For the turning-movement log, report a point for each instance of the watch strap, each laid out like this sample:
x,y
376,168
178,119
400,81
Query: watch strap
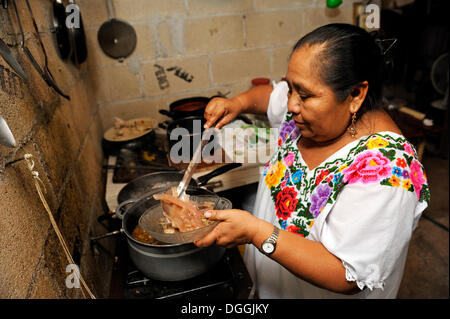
x,y
273,238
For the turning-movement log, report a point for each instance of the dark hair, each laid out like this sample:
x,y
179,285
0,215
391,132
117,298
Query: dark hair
x,y
350,56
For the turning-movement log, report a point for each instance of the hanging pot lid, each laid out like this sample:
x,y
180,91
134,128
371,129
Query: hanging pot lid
x,y
116,37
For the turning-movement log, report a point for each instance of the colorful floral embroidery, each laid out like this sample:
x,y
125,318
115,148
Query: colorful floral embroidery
x,y
319,199
286,202
287,128
301,195
377,142
367,167
275,174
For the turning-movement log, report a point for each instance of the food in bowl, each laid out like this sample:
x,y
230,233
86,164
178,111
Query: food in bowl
x,y
182,215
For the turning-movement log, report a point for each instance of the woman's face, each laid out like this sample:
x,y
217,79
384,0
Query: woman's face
x,y
317,113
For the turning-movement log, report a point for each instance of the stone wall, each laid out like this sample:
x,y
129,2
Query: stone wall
x,y
64,138
215,45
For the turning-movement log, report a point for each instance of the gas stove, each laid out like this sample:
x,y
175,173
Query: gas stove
x,y
228,279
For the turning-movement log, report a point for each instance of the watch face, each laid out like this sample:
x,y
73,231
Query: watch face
x,y
268,248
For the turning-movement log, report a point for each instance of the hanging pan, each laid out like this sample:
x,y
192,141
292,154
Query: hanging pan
x,y
116,37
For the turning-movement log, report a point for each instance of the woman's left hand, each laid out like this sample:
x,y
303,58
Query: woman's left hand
x,y
236,227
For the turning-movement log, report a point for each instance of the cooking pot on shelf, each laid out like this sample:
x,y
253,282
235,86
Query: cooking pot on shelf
x,y
168,262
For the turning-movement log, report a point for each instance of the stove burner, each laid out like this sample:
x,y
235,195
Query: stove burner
x,y
229,279
135,163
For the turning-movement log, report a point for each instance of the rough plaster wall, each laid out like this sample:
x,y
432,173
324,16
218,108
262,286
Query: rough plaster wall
x,y
219,45
65,139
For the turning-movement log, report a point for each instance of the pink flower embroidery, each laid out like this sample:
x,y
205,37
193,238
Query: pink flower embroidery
x,y
417,177
289,159
368,167
408,149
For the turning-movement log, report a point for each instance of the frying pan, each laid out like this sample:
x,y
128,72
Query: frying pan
x,y
71,42
146,183
78,40
60,30
116,37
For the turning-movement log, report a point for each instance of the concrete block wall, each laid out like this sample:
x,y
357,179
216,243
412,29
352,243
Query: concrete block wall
x,y
212,45
64,138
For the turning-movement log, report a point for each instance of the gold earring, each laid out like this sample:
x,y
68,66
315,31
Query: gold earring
x,y
352,128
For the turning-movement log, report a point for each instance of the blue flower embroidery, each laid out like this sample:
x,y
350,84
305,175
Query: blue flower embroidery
x,y
297,176
397,171
337,177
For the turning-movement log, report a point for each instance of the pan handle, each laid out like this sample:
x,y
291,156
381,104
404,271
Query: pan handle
x,y
111,9
164,125
166,113
202,180
114,233
118,212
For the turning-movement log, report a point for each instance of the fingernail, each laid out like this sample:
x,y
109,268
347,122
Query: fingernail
x,y
207,214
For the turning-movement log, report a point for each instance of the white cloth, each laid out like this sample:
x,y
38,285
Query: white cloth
x,y
277,103
368,228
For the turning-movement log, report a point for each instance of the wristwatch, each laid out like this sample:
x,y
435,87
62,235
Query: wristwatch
x,y
268,246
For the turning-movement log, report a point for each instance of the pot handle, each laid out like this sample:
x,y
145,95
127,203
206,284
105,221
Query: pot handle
x,y
118,212
114,233
164,125
166,113
202,180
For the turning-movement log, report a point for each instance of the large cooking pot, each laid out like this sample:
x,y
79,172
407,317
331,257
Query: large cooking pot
x,y
146,183
169,262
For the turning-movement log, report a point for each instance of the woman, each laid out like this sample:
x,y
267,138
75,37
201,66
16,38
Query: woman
x,y
344,185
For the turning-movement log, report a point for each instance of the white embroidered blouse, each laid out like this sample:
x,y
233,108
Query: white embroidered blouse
x,y
362,203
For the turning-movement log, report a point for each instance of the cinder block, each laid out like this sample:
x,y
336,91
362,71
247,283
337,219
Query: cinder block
x,y
129,110
144,46
273,28
316,17
168,76
281,4
240,66
214,34
93,12
115,83
143,10
204,7
166,39
280,61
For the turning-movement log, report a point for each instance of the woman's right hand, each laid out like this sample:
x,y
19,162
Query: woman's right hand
x,y
222,111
